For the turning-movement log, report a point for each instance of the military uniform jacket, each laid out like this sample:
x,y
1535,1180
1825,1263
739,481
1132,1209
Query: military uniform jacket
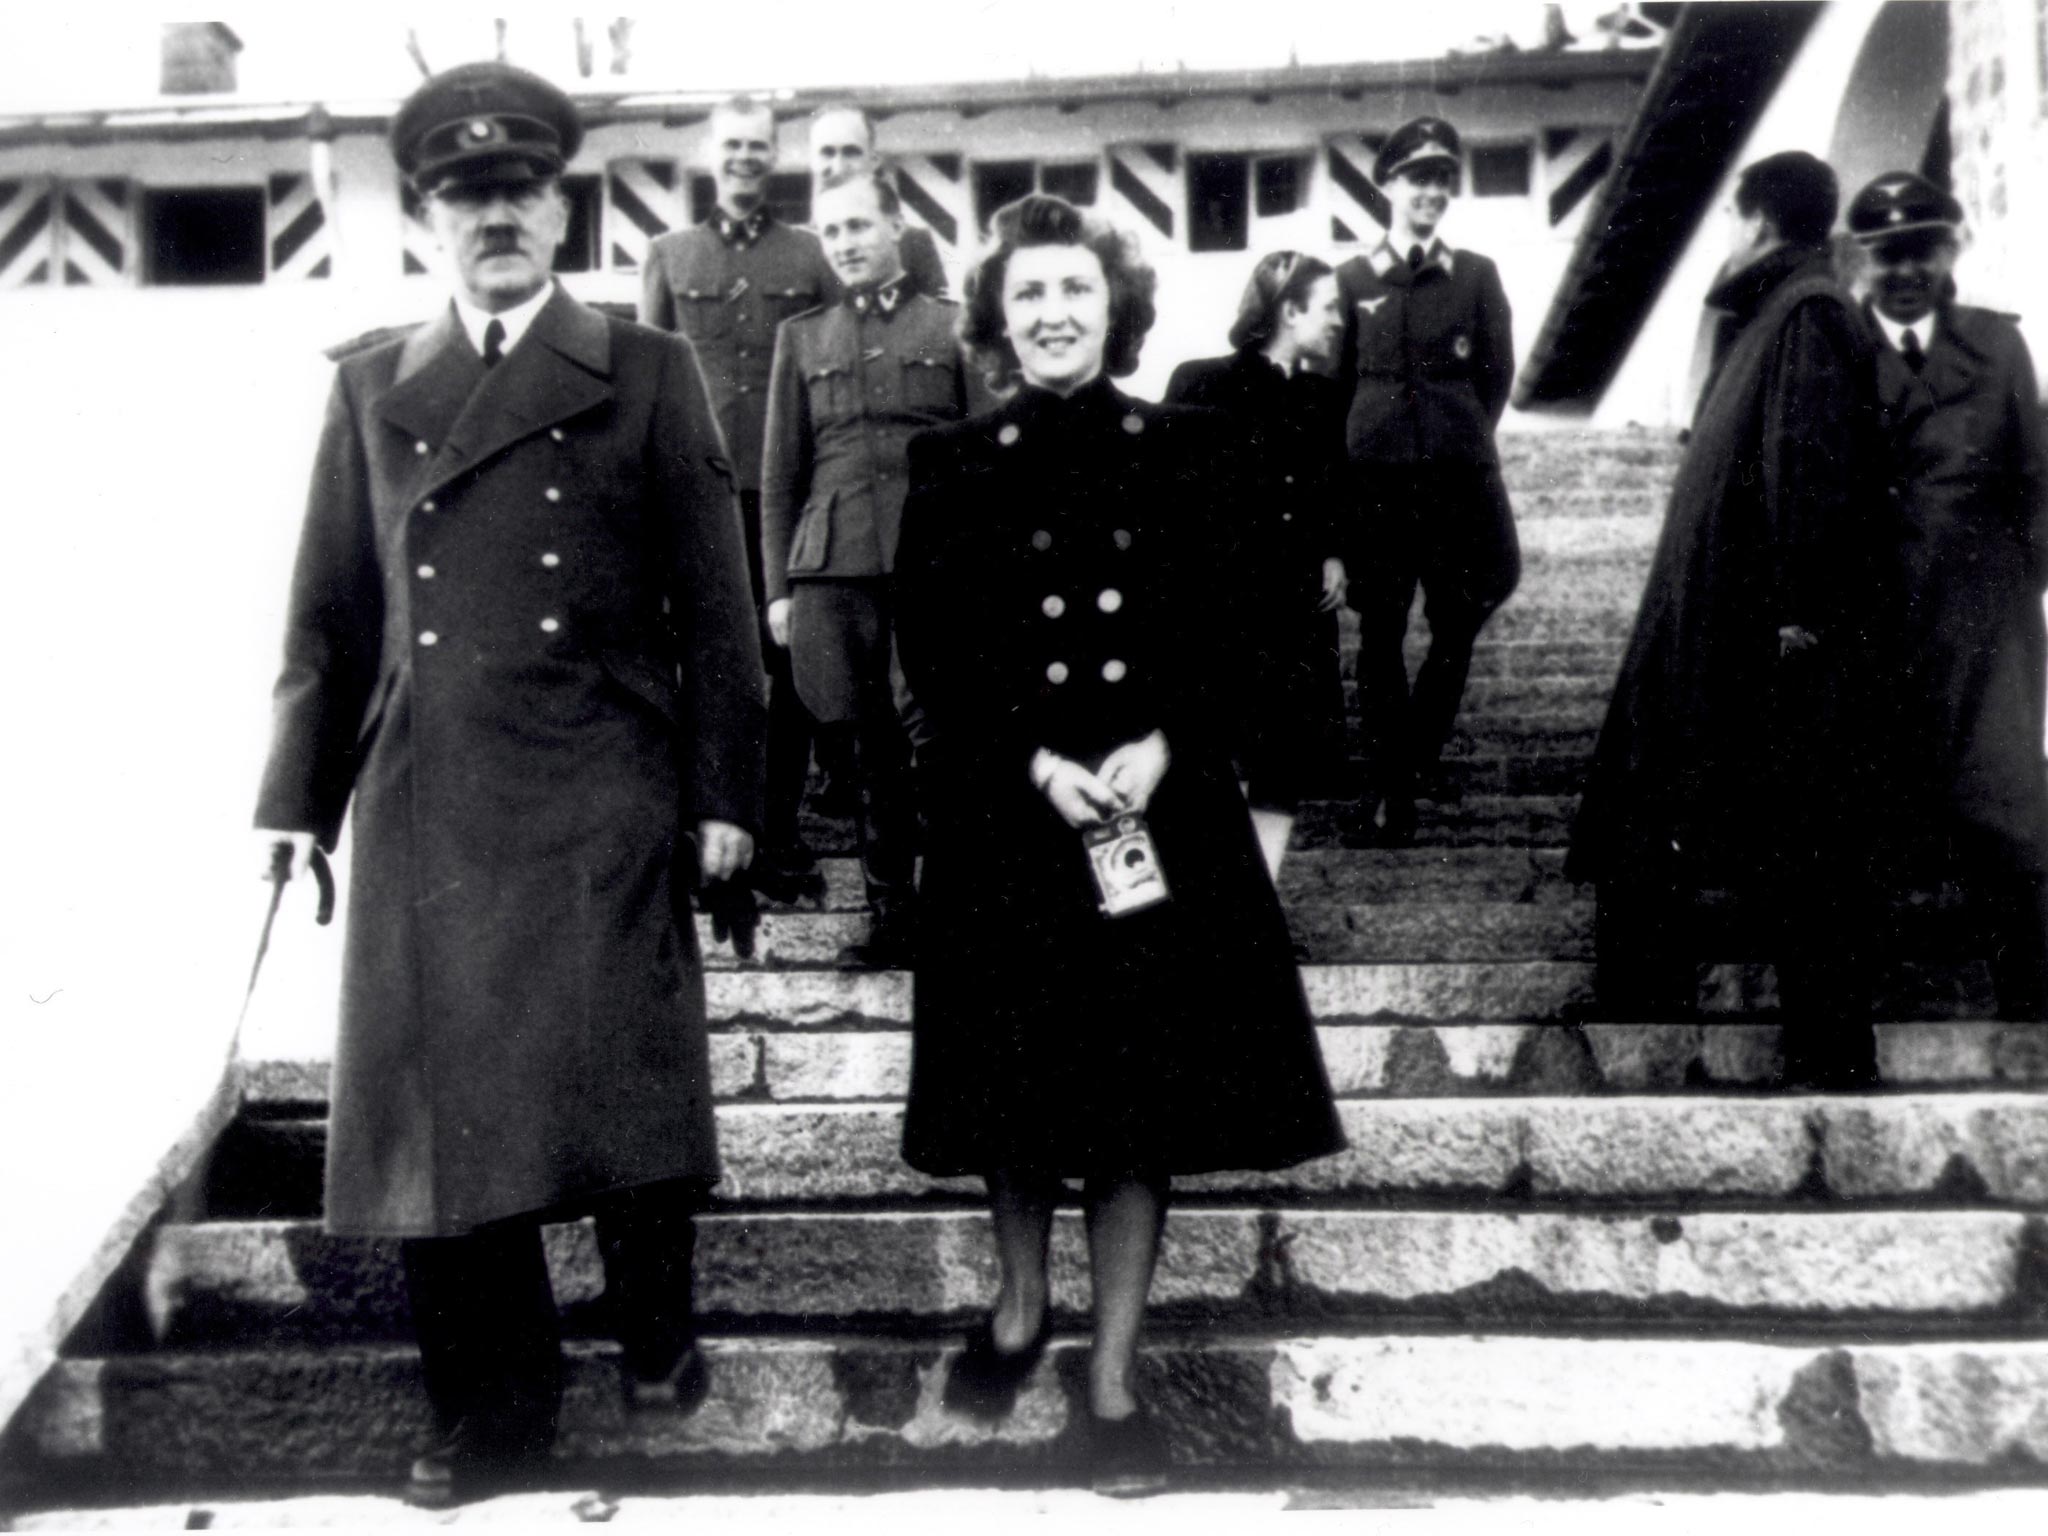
x,y
1061,584
729,299
1973,472
1430,354
521,654
848,391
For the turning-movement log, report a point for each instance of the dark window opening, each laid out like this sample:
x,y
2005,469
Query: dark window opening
x,y
194,236
1077,183
789,197
1000,182
1219,212
579,250
1500,170
1278,186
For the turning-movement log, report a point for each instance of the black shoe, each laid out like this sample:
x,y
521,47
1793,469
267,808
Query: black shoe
x,y
682,1390
1127,1457
789,876
469,1465
984,1380
891,944
1436,782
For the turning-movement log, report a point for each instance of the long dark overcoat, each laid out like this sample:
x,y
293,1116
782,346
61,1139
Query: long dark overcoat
x,y
499,573
1285,524
1721,763
1060,586
1974,469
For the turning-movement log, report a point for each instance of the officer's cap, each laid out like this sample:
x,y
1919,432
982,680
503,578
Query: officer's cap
x,y
1901,203
1424,138
482,124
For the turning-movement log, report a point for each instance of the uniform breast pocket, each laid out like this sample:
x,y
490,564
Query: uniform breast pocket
x,y
702,314
929,385
831,392
1378,323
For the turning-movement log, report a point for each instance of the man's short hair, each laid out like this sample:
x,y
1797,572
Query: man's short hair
x,y
1796,191
745,106
867,123
886,197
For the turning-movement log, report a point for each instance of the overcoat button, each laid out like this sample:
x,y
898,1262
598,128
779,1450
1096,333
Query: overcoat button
x,y
1057,672
426,573
552,494
1054,606
1114,671
1008,434
1122,537
1288,478
428,505
1041,540
667,605
421,449
428,637
551,559
557,434
1134,423
549,626
1109,600
1286,517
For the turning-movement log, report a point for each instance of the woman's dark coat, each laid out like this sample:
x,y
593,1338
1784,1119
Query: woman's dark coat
x,y
522,1015
1974,472
1041,544
1286,522
1722,763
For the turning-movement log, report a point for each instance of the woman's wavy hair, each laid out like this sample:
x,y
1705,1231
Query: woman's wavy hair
x,y
1285,277
1042,220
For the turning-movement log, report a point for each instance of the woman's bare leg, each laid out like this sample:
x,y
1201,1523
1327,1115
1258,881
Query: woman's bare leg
x,y
1020,1203
1125,1218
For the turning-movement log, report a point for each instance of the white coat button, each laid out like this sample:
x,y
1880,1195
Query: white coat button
x,y
552,494
426,573
1057,672
421,449
1041,540
1122,537
1008,433
1288,478
429,505
1053,606
1286,517
1114,671
551,559
1134,423
668,605
428,637
549,626
1109,600
557,433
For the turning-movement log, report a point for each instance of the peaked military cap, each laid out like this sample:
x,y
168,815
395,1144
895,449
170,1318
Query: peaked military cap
x,y
485,122
1422,138
1901,203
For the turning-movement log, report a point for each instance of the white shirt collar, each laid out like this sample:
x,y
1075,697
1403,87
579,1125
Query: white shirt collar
x,y
515,319
1895,333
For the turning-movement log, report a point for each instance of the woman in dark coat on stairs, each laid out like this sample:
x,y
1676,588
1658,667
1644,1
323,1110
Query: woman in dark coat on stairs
x,y
1062,625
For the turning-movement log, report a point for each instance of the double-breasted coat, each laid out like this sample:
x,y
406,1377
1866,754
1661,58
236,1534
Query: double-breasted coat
x,y
1429,357
1060,586
521,653
1973,469
1723,761
1287,522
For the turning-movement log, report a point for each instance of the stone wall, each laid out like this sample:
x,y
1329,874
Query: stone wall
x,y
1998,82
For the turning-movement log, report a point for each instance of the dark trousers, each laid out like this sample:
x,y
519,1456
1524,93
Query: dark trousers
x,y
789,726
2008,903
1647,946
484,1313
843,661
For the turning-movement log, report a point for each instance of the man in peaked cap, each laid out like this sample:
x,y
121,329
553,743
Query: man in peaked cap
x,y
1963,412
726,285
521,655
1428,357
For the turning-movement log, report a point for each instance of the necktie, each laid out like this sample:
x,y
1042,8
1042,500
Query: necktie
x,y
1909,348
1414,258
494,343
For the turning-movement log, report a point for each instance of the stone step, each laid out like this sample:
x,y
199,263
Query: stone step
x,y
1696,1149
1481,820
283,1283
832,1406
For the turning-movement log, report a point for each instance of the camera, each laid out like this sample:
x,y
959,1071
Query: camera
x,y
1125,864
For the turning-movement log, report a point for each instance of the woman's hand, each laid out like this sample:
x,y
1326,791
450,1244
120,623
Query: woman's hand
x,y
1081,798
1334,586
1134,770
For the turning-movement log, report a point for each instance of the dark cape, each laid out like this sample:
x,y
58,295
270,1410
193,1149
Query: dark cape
x,y
1059,586
1722,764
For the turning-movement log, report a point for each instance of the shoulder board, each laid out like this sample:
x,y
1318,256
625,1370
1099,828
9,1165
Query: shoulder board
x,y
369,341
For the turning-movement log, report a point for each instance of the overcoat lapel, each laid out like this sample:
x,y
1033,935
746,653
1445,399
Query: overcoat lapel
x,y
1952,364
561,368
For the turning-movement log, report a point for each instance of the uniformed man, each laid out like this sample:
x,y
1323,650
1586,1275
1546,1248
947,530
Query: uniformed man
x,y
1428,356
843,145
852,383
727,284
522,655
1963,411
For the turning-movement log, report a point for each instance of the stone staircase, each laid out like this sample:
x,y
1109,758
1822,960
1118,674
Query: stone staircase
x,y
1554,1251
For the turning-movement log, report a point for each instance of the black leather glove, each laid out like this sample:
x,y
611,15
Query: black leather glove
x,y
734,913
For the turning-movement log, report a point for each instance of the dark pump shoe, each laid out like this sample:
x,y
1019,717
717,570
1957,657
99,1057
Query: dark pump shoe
x,y
984,1380
469,1465
682,1390
1127,1457
787,876
1436,782
891,944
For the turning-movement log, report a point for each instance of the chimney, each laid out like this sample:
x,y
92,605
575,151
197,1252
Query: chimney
x,y
199,58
